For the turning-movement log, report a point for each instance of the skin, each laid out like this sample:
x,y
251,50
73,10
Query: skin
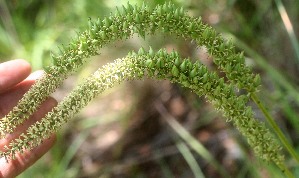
x,y
15,80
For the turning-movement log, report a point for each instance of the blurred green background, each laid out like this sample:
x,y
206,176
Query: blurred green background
x,y
122,133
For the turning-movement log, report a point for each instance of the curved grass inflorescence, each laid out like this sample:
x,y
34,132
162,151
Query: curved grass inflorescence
x,y
123,25
156,66
161,65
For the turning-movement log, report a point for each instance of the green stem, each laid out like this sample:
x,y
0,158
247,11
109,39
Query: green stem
x,y
286,171
275,127
277,76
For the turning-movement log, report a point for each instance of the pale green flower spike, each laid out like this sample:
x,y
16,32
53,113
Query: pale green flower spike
x,y
157,66
161,65
122,25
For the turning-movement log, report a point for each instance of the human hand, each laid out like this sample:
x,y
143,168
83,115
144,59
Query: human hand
x,y
14,82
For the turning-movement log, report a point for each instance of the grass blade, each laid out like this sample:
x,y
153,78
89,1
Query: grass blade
x,y
189,159
190,140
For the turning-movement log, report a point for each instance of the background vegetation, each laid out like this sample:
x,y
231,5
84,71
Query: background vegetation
x,y
123,133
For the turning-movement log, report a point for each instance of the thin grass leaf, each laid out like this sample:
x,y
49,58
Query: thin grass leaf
x,y
289,27
190,159
190,140
62,167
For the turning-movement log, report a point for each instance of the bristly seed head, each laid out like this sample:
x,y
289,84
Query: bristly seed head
x,y
159,65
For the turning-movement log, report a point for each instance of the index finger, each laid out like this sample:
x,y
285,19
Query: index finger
x,y
13,72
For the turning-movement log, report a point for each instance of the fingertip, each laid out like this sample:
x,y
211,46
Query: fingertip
x,y
13,72
20,64
35,75
23,61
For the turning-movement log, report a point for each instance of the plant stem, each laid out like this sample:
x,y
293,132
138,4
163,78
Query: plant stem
x,y
286,171
277,76
275,127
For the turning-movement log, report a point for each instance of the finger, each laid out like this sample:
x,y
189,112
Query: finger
x,y
35,75
24,160
13,72
10,98
28,157
37,116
